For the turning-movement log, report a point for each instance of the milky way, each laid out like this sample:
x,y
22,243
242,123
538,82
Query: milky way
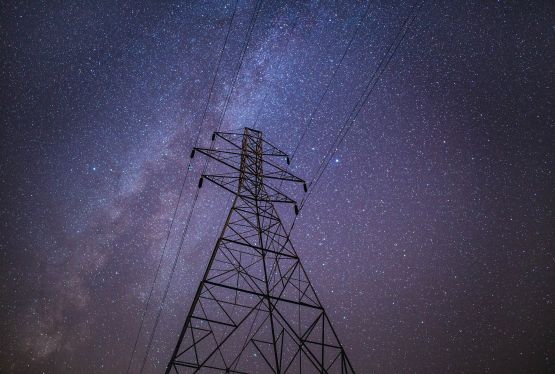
x,y
429,238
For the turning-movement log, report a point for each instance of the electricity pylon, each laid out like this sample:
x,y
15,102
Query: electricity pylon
x,y
255,310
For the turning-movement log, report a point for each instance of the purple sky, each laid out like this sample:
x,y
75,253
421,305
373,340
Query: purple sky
x,y
429,238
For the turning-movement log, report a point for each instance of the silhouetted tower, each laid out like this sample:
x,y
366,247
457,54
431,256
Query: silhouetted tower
x,y
255,310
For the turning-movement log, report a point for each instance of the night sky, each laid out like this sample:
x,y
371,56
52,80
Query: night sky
x,y
429,238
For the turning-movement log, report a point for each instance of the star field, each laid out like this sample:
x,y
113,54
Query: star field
x,y
429,237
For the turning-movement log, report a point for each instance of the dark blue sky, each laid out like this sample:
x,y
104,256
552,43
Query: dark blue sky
x,y
429,238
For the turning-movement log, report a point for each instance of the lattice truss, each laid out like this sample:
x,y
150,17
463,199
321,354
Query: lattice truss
x,y
255,310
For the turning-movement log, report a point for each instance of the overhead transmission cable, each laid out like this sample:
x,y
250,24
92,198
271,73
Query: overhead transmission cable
x,y
162,255
328,84
158,268
262,106
355,111
332,77
195,198
241,57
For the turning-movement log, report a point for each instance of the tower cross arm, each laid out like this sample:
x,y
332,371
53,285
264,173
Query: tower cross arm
x,y
232,159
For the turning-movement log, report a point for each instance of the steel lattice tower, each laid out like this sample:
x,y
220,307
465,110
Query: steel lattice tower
x,y
255,310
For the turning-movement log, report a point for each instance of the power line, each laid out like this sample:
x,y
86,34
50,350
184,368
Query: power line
x,y
355,111
195,199
157,272
157,320
328,84
241,57
324,93
262,106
